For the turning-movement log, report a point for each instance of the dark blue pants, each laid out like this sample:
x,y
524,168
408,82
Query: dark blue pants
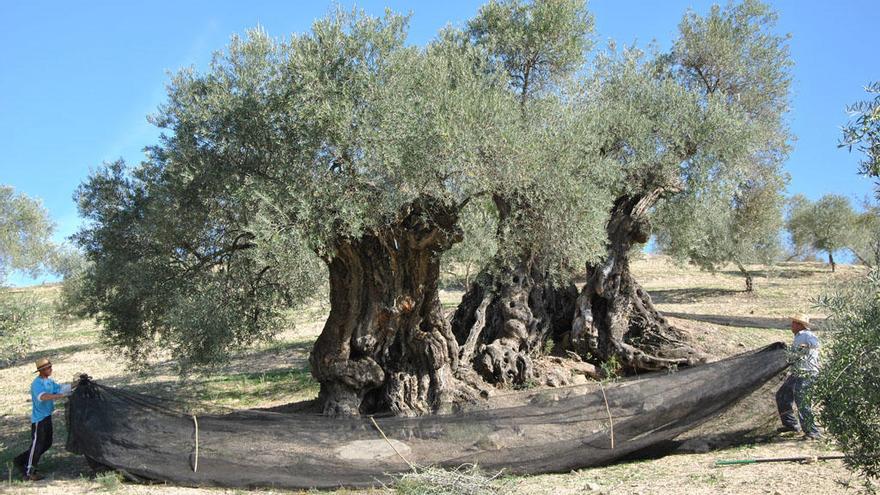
x,y
793,392
41,440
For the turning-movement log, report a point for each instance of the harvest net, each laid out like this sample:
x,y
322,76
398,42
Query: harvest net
x,y
551,430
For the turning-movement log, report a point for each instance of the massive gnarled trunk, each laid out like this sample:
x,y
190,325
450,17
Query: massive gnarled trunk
x,y
509,312
385,345
615,317
505,319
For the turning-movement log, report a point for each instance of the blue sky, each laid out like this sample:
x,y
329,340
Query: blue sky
x,y
77,79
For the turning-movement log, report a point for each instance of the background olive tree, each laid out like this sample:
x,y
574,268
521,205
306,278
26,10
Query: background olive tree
x,y
26,246
25,234
865,239
826,225
712,234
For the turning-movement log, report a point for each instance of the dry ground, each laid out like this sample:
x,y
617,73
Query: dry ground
x,y
722,319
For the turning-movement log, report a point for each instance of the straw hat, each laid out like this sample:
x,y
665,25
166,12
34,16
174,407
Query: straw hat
x,y
42,363
802,319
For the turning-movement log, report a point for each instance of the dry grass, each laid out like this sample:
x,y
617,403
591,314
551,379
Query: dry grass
x,y
723,319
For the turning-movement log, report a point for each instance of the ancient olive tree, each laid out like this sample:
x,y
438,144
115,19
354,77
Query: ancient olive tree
x,y
701,124
524,295
346,155
825,225
341,147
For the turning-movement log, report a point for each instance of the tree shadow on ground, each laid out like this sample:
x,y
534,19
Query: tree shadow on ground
x,y
56,464
225,393
701,444
55,354
246,380
684,296
292,354
741,321
801,272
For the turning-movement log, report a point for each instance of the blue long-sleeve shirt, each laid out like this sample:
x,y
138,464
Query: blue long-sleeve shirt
x,y
43,408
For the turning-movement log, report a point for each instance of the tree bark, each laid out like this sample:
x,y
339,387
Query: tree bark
x,y
386,345
505,320
831,261
510,310
615,317
748,276
861,260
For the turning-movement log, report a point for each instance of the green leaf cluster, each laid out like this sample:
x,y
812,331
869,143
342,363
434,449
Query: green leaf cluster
x,y
863,131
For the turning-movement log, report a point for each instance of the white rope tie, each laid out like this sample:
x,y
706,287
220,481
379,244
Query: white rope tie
x,y
411,465
608,410
196,458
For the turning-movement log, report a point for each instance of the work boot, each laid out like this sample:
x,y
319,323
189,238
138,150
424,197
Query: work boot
x,y
34,477
787,428
813,435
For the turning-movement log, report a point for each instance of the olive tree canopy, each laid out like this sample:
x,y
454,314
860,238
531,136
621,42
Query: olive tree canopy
x,y
25,234
700,125
825,225
345,155
341,146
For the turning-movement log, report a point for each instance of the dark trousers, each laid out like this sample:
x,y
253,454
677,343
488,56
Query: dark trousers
x,y
41,440
793,392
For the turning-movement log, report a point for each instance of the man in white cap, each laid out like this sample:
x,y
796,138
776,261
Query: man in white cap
x,y
805,367
44,392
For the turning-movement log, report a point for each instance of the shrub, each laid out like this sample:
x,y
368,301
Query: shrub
x,y
18,313
847,388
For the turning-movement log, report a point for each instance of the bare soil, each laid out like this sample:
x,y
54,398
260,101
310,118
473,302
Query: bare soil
x,y
723,320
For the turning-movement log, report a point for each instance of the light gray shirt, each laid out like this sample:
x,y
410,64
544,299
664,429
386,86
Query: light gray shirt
x,y
805,352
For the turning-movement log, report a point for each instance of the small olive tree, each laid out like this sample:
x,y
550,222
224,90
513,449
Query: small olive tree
x,y
25,234
713,233
25,245
847,386
826,225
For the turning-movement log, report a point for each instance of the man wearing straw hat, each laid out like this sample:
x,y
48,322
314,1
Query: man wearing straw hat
x,y
44,392
805,367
